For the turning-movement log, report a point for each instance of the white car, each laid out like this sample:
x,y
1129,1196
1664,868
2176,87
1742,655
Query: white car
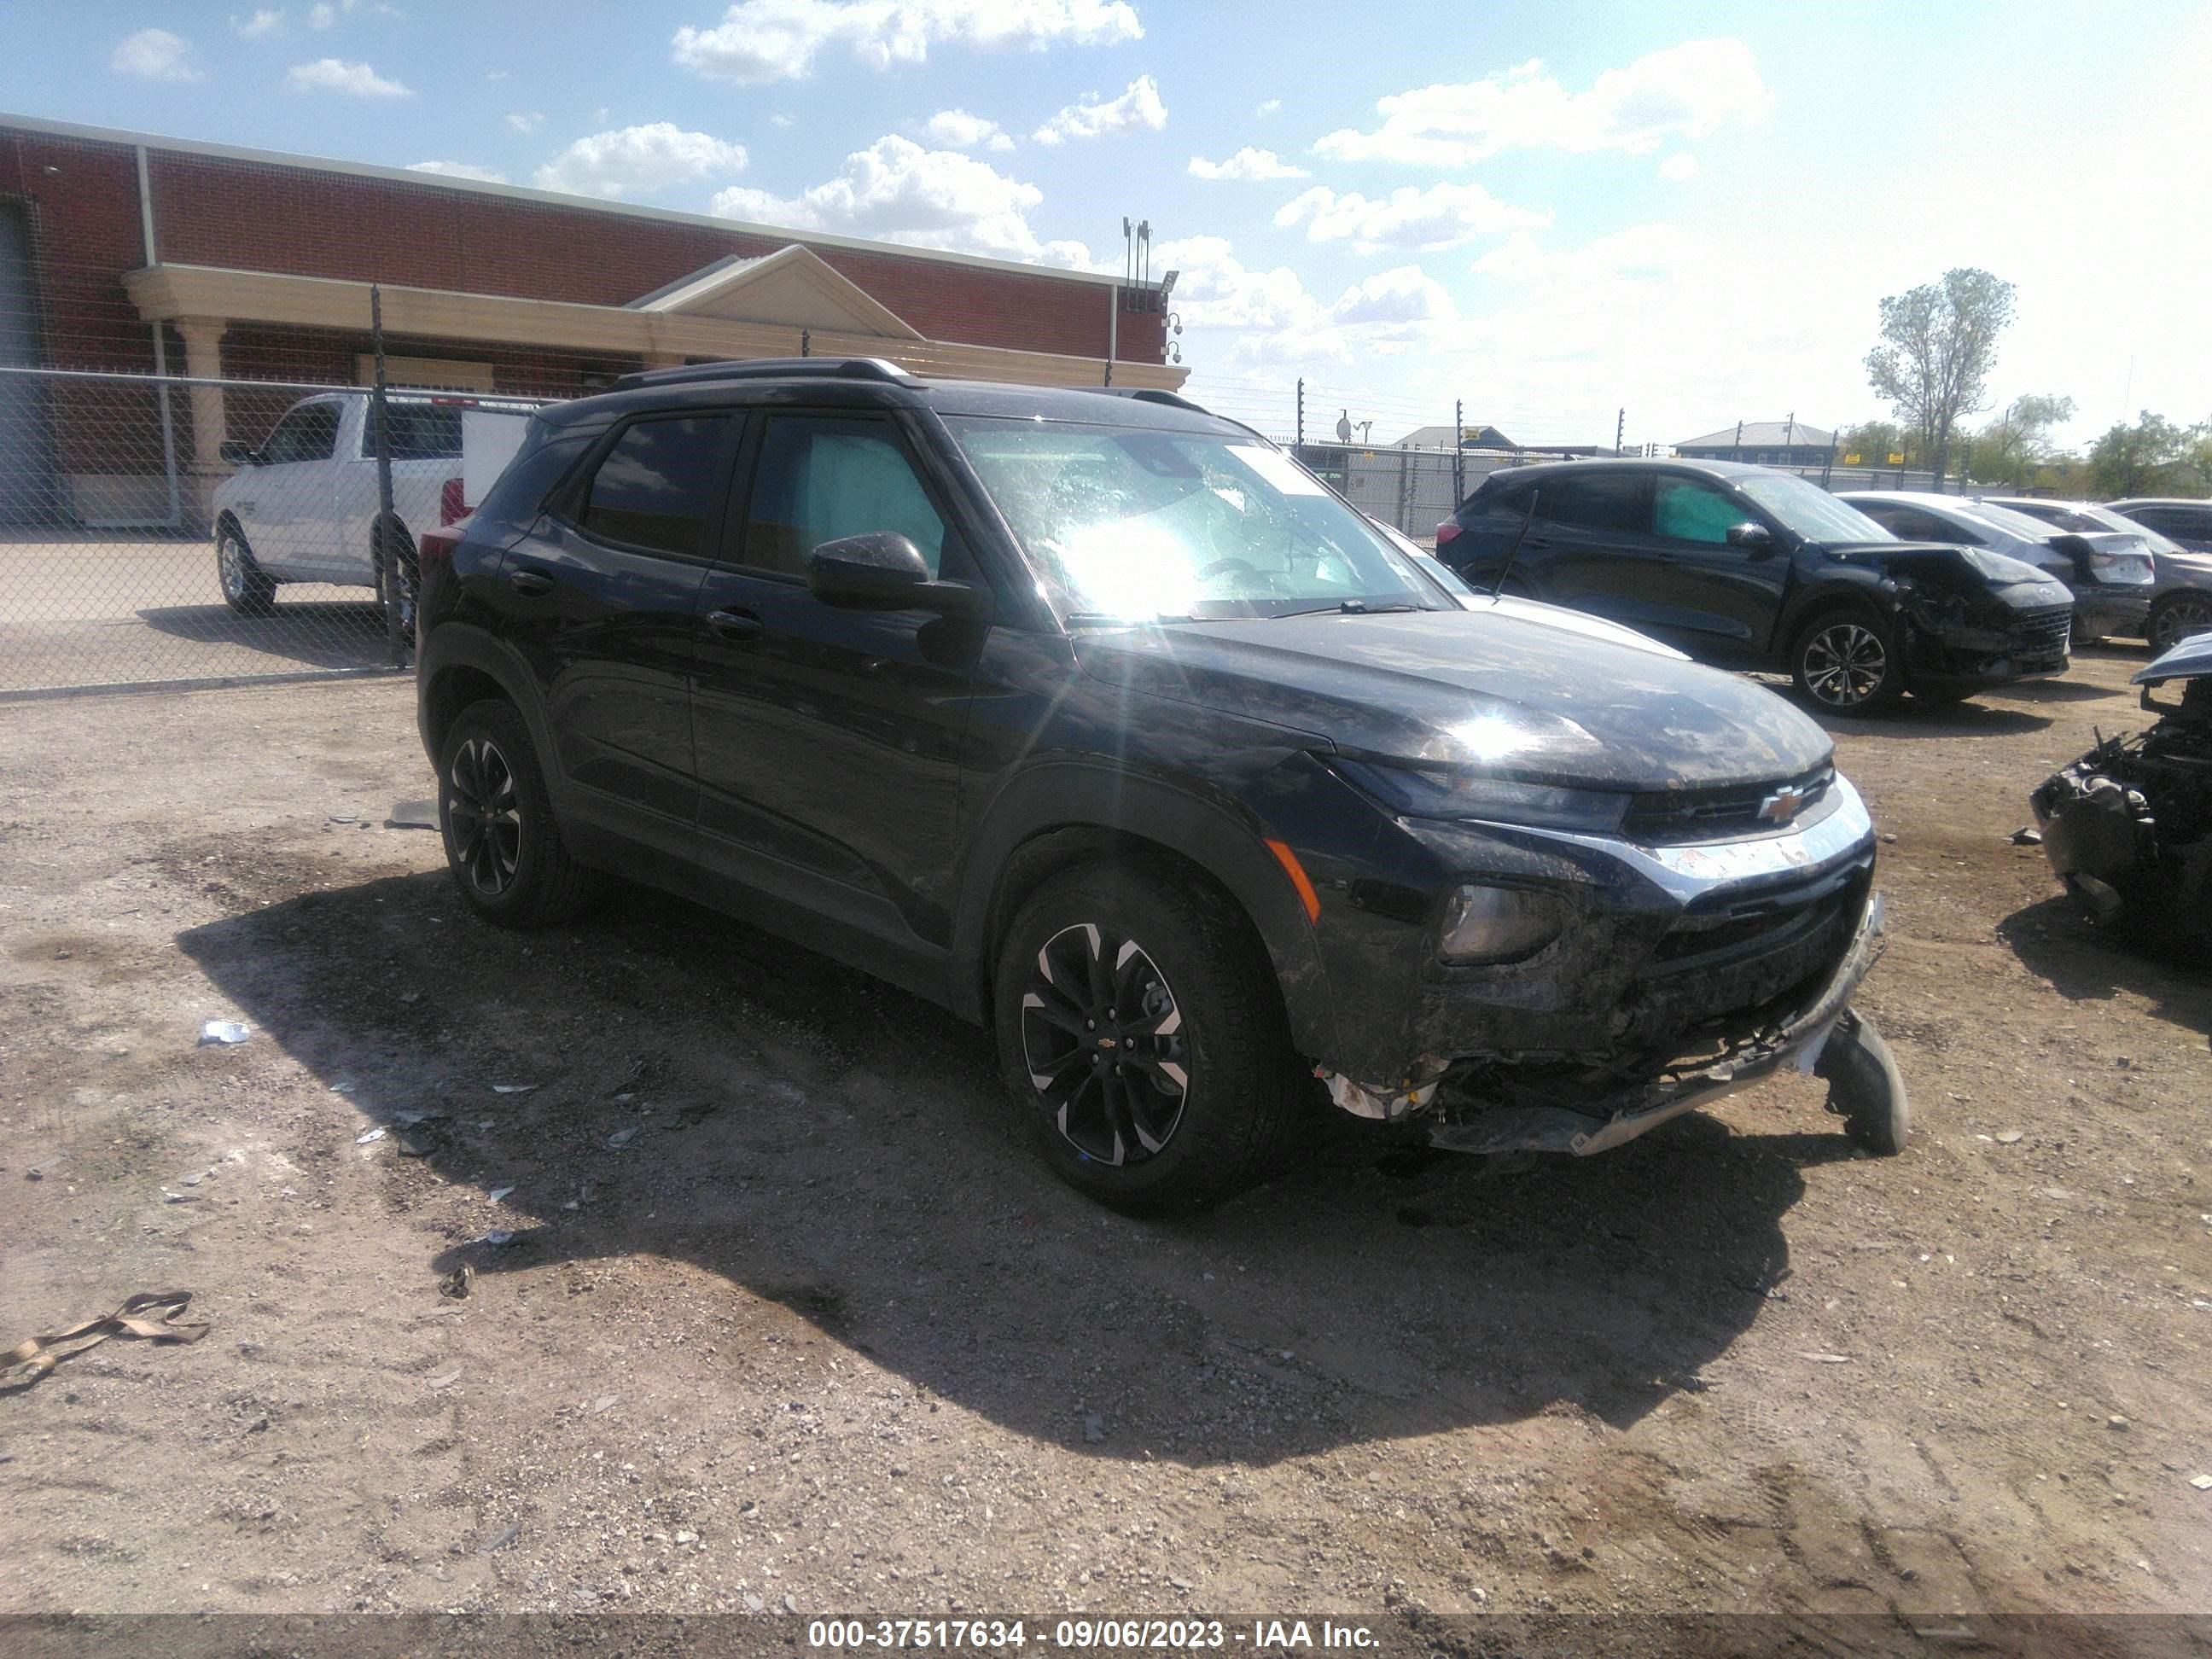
x,y
302,505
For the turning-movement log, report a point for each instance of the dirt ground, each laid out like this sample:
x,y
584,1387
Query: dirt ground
x,y
794,1318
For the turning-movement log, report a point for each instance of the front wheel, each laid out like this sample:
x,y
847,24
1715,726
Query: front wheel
x,y
1143,1037
246,588
2176,617
502,842
1847,663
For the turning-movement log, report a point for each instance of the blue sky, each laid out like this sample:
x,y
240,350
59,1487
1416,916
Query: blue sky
x,y
1548,213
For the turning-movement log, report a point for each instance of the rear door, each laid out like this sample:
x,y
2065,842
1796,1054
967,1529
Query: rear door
x,y
1716,601
601,599
288,505
829,739
426,451
1588,544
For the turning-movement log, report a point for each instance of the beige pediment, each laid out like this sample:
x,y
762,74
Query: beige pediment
x,y
792,287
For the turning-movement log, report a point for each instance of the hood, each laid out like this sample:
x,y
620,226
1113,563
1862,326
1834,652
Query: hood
x,y
1570,622
2190,660
1507,690
1950,562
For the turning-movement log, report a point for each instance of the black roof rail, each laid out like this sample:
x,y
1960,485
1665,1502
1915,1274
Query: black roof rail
x,y
1149,394
773,368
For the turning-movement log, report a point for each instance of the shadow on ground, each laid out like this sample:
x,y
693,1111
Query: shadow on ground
x,y
313,633
2084,962
703,1092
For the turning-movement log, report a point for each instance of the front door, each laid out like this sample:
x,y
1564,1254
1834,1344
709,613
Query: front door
x,y
288,505
1718,602
601,599
829,739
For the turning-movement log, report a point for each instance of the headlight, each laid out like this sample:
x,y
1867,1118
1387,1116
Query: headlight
x,y
2000,568
1497,924
1421,794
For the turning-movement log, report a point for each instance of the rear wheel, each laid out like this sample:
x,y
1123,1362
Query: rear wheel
x,y
1847,663
245,588
502,842
2176,617
1142,1035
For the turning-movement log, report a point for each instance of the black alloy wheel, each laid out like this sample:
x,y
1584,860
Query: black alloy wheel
x,y
1101,1036
1848,664
484,816
501,840
2176,617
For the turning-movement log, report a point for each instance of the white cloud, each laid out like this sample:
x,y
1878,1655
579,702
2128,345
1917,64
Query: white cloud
x,y
1443,216
495,75
1139,106
331,74
1641,253
1690,90
956,129
154,55
264,21
529,123
782,121
1679,167
321,17
762,40
1405,295
1269,107
897,191
638,159
1247,163
458,170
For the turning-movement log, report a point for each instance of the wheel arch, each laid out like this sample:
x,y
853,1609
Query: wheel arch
x,y
1060,816
459,665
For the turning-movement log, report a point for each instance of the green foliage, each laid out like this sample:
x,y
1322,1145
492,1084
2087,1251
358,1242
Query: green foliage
x,y
2151,457
2016,447
1939,342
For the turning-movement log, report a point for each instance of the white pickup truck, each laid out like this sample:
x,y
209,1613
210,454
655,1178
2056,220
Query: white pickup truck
x,y
302,507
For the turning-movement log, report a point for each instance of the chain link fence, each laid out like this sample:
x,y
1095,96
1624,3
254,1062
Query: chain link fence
x,y
134,552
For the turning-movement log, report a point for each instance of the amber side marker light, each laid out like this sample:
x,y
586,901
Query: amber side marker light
x,y
1296,872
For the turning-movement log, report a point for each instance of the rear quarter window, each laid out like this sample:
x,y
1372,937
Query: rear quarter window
x,y
543,460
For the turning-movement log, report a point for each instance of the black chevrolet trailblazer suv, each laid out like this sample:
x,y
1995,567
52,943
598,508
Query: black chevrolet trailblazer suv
x,y
1097,719
1747,567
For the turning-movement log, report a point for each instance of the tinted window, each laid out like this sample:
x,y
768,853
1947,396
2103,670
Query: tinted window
x,y
1691,511
420,431
1912,525
655,485
821,476
309,433
1508,497
1597,499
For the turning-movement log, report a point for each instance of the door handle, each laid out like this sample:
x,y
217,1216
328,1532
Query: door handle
x,y
738,627
528,581
1535,541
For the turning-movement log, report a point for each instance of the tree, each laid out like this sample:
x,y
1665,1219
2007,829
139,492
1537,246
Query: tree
x,y
2136,460
1939,343
2012,447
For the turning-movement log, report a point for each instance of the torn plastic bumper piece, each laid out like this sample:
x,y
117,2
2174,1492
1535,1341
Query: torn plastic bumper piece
x,y
1607,1122
1383,1104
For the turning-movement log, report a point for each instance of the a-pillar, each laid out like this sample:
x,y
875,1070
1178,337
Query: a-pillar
x,y
202,338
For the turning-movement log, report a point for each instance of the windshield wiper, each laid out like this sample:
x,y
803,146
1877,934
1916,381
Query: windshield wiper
x,y
1349,608
1115,619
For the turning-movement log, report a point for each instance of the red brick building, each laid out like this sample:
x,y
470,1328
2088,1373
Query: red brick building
x,y
122,251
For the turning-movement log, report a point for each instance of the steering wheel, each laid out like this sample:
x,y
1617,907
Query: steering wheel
x,y
1223,567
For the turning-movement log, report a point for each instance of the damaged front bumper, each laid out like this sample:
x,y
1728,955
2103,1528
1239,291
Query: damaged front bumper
x,y
1526,1121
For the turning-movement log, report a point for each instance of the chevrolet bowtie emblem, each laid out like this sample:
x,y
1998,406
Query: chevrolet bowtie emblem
x,y
1782,805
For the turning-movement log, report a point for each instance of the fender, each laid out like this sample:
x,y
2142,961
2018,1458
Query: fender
x,y
1839,588
452,645
1222,838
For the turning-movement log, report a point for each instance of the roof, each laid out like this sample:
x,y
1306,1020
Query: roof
x,y
1449,437
1763,435
863,383
1661,464
792,285
549,198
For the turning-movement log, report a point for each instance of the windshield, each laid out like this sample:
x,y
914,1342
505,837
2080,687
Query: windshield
x,y
1810,511
1134,524
2103,518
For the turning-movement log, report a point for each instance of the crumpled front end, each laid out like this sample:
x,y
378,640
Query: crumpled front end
x,y
2128,827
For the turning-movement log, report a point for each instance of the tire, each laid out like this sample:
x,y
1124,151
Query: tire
x,y
501,841
1865,1088
246,588
1847,663
2176,617
1207,1108
407,584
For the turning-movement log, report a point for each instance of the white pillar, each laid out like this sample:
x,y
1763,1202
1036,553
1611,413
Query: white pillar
x,y
202,338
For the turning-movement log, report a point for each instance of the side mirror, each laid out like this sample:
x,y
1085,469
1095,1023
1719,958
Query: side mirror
x,y
883,570
236,452
1754,538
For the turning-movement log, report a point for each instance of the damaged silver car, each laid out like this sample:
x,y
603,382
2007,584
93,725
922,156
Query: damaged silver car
x,y
2128,827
